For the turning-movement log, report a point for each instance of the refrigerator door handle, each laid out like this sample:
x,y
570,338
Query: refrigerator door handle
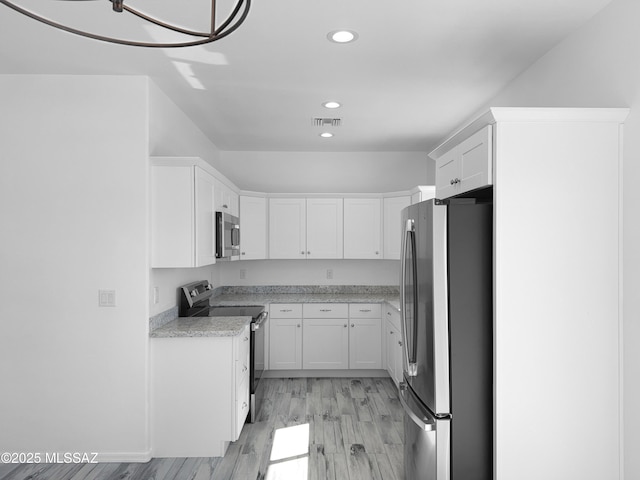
x,y
408,242
419,420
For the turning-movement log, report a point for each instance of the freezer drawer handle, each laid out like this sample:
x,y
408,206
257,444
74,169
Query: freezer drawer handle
x,y
420,422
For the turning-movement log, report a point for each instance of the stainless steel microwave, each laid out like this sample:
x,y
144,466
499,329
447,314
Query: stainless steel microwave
x,y
227,236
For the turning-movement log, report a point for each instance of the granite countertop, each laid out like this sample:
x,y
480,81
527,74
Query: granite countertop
x,y
166,325
266,299
202,327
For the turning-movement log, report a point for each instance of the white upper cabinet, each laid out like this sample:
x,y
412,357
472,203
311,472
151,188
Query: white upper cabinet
x,y
287,228
392,207
305,228
324,228
205,218
226,199
467,166
253,228
182,217
362,228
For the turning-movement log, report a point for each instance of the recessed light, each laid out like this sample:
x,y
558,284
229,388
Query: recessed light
x,y
331,104
342,36
326,134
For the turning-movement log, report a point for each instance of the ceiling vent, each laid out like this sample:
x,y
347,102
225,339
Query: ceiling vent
x,y
327,122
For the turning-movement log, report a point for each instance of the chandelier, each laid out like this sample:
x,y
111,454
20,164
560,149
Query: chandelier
x,y
217,31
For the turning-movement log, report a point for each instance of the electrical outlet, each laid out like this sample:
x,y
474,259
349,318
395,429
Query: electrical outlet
x,y
243,274
329,273
156,295
106,298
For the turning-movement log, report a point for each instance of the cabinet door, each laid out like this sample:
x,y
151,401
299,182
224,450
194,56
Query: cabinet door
x,y
326,343
287,228
365,343
362,228
205,222
285,343
447,174
324,227
234,203
253,228
391,342
467,166
172,219
392,207
476,160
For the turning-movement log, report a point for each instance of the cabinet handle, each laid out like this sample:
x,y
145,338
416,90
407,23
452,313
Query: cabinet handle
x,y
244,368
365,310
286,310
244,405
390,333
325,309
352,325
302,253
377,253
345,325
400,343
243,253
389,313
246,339
225,206
308,253
298,325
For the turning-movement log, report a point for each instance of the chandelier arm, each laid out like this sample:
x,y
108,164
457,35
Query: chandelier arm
x,y
165,25
210,37
239,22
229,19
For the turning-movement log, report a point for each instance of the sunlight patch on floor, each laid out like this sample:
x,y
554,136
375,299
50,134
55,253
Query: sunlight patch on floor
x,y
290,454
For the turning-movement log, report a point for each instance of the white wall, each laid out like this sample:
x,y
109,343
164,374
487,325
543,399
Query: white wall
x,y
73,209
598,66
310,272
172,133
327,172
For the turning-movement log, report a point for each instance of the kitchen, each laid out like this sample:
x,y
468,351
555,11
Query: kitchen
x,y
100,359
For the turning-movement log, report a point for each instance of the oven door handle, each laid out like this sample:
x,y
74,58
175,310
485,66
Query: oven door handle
x,y
259,321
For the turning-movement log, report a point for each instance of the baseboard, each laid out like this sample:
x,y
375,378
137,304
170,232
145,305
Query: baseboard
x,y
124,457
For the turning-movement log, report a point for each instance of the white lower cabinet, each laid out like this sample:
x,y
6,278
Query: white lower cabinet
x,y
196,412
285,336
365,336
393,344
326,343
325,336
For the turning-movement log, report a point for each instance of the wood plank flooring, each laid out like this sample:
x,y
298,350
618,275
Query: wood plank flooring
x,y
307,429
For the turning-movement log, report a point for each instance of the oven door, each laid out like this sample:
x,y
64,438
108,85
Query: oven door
x,y
258,328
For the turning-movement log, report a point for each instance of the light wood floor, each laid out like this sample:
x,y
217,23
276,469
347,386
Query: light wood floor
x,y
307,429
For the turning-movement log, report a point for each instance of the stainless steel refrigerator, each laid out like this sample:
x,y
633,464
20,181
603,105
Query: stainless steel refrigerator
x,y
447,328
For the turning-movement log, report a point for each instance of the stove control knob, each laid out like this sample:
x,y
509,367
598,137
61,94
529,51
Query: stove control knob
x,y
209,286
194,293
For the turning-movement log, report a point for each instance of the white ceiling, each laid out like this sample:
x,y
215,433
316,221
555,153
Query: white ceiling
x,y
418,69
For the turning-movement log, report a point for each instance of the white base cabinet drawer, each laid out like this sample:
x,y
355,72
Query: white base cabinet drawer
x,y
365,310
285,310
325,310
